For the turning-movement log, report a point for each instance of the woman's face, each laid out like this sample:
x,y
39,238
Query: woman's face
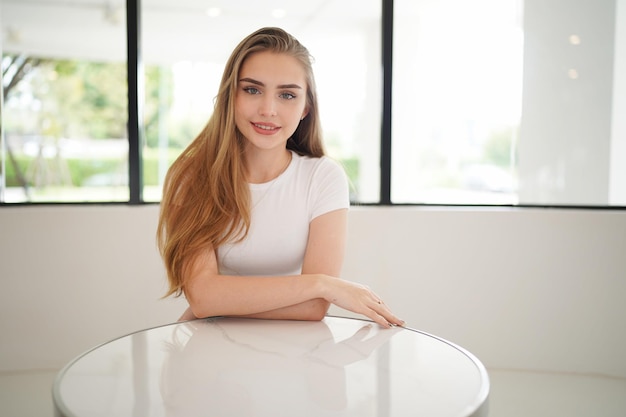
x,y
270,99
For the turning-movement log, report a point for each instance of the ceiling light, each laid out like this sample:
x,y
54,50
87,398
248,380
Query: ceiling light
x,y
279,13
213,11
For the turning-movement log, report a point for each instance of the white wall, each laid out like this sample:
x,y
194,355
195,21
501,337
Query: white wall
x,y
539,289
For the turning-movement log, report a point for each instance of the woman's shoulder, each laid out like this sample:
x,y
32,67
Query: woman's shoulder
x,y
320,173
312,163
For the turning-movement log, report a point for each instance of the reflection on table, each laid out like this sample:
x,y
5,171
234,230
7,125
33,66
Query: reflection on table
x,y
247,367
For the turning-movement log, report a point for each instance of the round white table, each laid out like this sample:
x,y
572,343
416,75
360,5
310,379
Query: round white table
x,y
247,367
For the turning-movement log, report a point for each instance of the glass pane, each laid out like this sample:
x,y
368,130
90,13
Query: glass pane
x,y
509,102
187,43
65,102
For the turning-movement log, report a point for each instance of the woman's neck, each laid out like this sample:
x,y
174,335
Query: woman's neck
x,y
263,167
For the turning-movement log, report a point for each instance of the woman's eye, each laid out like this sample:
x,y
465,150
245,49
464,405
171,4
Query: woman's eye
x,y
287,96
251,90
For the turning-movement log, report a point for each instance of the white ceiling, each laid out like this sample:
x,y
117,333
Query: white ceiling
x,y
172,29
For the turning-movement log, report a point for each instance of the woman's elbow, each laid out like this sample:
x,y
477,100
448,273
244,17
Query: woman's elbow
x,y
319,310
198,311
197,308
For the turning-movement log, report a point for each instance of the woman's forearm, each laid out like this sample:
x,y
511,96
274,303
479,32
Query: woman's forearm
x,y
285,296
313,310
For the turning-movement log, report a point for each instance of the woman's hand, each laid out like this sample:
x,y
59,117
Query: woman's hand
x,y
358,299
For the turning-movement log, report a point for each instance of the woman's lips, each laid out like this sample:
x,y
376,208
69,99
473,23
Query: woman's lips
x,y
265,128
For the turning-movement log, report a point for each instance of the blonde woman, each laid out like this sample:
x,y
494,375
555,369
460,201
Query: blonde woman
x,y
254,215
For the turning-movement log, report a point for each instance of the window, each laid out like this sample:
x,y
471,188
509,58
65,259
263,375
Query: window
x,y
81,152
64,110
185,49
503,102
509,102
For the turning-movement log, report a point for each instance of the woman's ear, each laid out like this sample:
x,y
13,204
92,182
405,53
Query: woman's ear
x,y
304,114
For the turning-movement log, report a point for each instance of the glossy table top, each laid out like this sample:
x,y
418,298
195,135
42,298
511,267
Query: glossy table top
x,y
246,367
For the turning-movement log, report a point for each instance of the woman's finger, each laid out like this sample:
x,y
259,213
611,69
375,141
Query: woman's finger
x,y
385,313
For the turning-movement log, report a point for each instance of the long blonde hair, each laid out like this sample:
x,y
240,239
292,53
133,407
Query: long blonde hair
x,y
206,198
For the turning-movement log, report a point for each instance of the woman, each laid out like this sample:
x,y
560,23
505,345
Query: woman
x,y
253,216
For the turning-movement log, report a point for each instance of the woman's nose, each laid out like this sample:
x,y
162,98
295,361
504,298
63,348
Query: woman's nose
x,y
267,107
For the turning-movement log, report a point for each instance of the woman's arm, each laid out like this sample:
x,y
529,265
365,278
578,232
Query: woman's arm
x,y
300,297
324,254
212,294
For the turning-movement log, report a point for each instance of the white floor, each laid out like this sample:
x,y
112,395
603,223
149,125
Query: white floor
x,y
513,394
26,394
517,394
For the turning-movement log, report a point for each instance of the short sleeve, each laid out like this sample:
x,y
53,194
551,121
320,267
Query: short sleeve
x,y
330,188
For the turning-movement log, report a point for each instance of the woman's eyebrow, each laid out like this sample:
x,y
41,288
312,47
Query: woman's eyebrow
x,y
259,83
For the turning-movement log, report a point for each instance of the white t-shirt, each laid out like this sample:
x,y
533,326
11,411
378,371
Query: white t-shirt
x,y
281,212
